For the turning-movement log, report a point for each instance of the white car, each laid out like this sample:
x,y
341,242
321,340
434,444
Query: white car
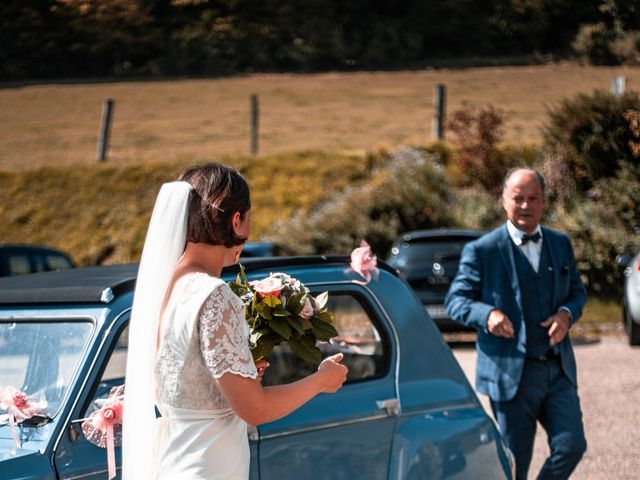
x,y
631,297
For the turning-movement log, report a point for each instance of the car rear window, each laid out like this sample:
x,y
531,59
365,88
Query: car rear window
x,y
428,251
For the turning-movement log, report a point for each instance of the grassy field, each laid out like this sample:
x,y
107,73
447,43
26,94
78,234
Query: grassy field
x,y
193,120
600,317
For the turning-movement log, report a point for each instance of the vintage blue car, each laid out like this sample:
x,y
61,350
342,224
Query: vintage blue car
x,y
406,412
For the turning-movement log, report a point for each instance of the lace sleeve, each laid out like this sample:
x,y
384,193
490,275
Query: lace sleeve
x,y
224,336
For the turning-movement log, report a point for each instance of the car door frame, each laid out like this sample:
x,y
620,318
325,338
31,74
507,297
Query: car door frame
x,y
385,409
71,434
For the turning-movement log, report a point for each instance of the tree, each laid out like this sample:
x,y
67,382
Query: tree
x,y
113,37
34,38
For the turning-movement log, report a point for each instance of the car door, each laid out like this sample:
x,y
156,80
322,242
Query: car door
x,y
75,456
347,434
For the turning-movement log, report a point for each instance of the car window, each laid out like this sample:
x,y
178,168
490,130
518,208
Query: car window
x,y
39,264
57,262
114,372
18,264
41,358
359,339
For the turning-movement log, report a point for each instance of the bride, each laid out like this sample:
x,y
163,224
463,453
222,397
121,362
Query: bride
x,y
188,340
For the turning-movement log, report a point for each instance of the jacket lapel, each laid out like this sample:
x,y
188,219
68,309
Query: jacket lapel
x,y
556,261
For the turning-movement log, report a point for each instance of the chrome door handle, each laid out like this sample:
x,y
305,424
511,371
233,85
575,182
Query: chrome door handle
x,y
391,406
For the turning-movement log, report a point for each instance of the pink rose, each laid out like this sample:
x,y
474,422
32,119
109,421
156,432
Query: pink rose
x,y
268,286
20,401
307,309
364,262
109,414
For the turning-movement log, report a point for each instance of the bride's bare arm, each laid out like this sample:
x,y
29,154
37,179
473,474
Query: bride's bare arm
x,y
257,404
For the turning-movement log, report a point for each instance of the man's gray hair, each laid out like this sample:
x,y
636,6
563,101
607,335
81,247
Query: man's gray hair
x,y
513,170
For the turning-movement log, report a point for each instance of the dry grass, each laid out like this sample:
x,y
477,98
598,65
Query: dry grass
x,y
102,211
192,120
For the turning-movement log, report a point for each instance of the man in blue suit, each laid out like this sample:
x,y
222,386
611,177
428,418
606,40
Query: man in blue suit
x,y
519,287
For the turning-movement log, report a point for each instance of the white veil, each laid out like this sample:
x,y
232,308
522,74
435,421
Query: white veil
x,y
165,242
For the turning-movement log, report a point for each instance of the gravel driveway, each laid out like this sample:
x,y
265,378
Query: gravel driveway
x,y
609,388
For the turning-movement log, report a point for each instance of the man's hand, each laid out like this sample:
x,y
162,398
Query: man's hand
x,y
558,325
499,324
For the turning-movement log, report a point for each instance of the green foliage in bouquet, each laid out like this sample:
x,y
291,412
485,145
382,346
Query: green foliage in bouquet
x,y
280,309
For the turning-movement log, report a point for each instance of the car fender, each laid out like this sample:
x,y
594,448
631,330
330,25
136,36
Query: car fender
x,y
632,294
441,443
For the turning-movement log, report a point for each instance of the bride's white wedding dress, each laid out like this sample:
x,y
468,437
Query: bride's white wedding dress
x,y
205,335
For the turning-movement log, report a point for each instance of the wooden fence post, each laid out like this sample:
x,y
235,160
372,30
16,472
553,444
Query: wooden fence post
x,y
440,104
255,123
105,129
618,84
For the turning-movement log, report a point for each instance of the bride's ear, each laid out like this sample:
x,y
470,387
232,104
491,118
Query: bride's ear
x,y
236,220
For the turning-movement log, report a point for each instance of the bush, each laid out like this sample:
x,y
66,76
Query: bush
x,y
477,209
478,160
603,224
589,136
593,176
405,191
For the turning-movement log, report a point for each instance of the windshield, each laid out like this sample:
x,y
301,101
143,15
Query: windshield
x,y
427,252
41,358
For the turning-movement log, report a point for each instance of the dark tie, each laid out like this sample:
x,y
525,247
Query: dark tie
x,y
534,237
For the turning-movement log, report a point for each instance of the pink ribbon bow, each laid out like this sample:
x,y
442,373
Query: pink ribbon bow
x,y
104,426
20,407
364,263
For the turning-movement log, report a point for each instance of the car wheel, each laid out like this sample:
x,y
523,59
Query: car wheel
x,y
632,329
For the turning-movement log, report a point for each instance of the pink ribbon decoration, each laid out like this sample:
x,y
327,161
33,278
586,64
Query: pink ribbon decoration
x,y
20,407
104,426
364,263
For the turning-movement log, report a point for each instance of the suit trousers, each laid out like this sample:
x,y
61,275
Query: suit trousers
x,y
544,394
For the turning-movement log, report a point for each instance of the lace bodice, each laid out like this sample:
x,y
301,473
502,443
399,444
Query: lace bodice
x,y
205,335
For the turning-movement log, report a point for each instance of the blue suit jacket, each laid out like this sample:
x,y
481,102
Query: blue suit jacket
x,y
487,279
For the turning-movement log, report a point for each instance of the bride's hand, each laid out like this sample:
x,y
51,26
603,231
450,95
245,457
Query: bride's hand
x,y
261,366
333,373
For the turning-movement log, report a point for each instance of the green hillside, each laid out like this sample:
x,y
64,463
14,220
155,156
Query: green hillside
x,y
100,212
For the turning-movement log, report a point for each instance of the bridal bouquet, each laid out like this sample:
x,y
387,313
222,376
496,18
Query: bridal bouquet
x,y
280,309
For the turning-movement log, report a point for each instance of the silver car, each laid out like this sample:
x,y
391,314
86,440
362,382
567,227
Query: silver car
x,y
631,297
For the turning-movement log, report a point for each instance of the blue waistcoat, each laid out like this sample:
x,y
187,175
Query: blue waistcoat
x,y
537,298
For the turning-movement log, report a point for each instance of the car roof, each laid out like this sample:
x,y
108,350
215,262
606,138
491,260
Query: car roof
x,y
102,284
76,285
30,247
433,234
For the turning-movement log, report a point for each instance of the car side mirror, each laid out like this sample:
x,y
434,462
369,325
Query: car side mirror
x,y
623,260
75,431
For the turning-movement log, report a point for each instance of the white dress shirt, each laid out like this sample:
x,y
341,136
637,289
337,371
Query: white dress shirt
x,y
531,250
